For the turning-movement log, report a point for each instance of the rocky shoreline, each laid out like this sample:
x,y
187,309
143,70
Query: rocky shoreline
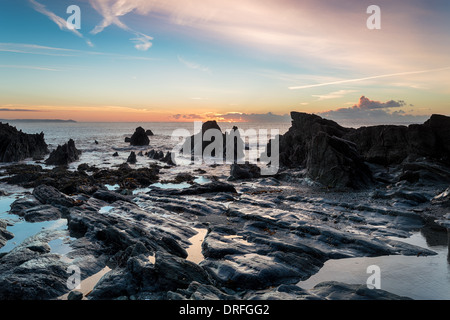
x,y
331,200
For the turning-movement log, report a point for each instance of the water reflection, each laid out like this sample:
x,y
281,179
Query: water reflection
x,y
417,277
436,236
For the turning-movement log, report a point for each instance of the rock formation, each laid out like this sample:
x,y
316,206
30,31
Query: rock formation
x,y
139,138
16,145
63,155
339,157
204,143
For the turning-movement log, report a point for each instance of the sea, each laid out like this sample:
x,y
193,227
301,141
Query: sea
x,y
99,140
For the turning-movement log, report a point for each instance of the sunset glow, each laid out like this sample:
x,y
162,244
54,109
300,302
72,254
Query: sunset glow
x,y
182,61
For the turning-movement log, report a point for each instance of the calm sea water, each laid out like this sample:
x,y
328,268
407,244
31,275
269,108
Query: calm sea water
x,y
111,137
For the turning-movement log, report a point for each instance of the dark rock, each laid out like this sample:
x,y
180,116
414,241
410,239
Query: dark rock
x,y
19,206
296,143
42,213
75,295
63,155
149,133
116,154
213,187
5,235
335,162
316,144
132,158
174,272
244,171
50,195
231,144
342,291
159,155
16,145
127,139
338,156
139,138
184,177
391,144
110,196
443,199
31,272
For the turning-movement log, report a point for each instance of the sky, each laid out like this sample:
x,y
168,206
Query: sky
x,y
246,60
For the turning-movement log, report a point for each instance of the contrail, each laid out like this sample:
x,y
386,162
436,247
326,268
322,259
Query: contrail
x,y
367,78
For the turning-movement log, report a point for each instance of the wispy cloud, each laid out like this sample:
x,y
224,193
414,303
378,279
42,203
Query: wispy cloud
x,y
111,11
251,117
34,49
18,110
60,22
367,78
334,95
193,65
29,67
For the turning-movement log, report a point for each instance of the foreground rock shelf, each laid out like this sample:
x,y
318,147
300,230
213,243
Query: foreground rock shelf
x,y
264,234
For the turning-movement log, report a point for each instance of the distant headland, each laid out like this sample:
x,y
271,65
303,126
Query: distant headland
x,y
37,120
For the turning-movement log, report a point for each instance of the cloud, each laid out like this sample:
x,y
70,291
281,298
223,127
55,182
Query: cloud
x,y
111,11
373,111
251,117
29,67
18,110
187,117
193,65
60,22
334,95
367,78
367,104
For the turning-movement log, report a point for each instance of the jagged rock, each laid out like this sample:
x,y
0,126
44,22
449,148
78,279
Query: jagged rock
x,y
16,145
5,235
63,155
244,171
139,138
335,162
197,143
42,213
132,158
338,156
75,295
50,195
316,144
213,187
442,199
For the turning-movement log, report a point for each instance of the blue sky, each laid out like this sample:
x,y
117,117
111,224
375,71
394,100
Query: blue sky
x,y
135,60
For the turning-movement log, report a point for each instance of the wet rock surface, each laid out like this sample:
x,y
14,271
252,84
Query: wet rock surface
x,y
262,234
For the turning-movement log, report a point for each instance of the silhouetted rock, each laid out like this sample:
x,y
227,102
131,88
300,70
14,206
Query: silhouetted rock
x,y
132,158
149,133
316,144
335,162
204,143
337,157
389,144
16,145
244,171
139,138
63,155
